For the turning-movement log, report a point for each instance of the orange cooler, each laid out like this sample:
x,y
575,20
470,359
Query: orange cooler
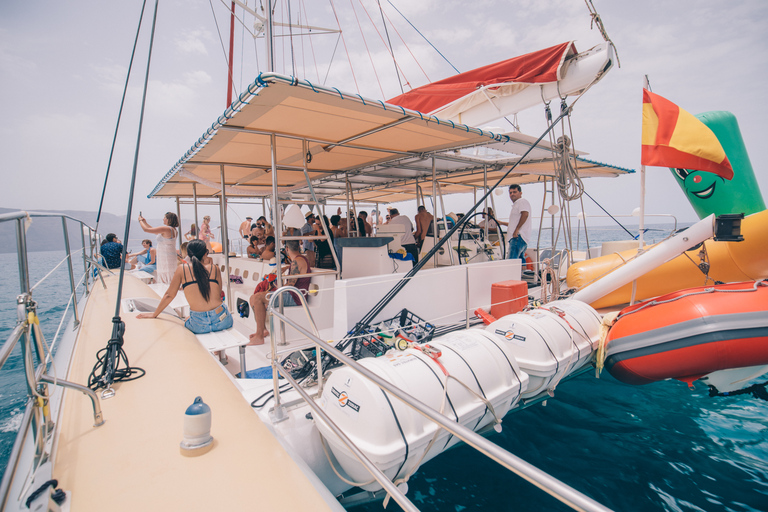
x,y
508,297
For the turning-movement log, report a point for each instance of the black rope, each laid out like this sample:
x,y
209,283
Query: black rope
x,y
120,115
58,495
114,352
611,216
107,368
756,390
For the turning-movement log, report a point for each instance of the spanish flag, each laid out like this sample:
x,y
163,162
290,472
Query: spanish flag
x,y
673,137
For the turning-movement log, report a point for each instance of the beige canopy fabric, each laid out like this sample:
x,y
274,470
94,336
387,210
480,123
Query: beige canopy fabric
x,y
382,150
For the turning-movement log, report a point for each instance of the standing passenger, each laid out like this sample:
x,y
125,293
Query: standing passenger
x,y
166,245
519,224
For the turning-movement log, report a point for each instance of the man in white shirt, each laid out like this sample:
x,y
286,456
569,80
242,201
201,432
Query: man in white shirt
x,y
519,225
408,241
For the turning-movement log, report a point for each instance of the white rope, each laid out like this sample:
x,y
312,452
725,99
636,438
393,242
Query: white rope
x,y
569,183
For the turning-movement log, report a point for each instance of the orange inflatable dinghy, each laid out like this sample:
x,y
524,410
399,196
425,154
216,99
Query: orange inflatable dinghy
x,y
690,333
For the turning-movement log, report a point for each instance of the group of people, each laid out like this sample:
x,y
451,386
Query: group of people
x,y
204,233
160,257
201,280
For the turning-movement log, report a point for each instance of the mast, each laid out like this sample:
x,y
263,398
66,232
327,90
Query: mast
x,y
269,38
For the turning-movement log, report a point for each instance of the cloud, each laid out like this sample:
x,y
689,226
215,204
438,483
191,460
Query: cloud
x,y
193,41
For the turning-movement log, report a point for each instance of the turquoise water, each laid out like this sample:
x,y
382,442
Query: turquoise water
x,y
656,447
52,296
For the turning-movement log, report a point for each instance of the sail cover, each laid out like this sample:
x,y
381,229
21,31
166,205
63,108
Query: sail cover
x,y
539,67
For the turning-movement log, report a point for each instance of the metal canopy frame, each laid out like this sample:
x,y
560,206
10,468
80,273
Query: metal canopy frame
x,y
383,150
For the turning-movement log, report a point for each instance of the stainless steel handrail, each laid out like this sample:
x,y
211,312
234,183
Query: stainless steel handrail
x,y
544,481
380,477
26,326
10,344
279,413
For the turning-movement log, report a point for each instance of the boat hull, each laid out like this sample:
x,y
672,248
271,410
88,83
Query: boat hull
x,y
690,333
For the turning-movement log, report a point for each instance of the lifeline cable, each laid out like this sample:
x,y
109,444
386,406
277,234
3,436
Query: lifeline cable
x,y
114,350
611,216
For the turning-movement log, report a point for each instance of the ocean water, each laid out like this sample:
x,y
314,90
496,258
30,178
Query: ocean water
x,y
661,446
51,295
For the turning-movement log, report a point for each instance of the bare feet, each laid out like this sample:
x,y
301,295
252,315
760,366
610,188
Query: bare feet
x,y
256,339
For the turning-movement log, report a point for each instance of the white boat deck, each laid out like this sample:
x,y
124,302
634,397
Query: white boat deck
x,y
138,446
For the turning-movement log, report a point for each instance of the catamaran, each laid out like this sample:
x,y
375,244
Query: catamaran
x,y
385,365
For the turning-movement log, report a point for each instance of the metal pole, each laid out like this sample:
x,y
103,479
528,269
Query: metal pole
x,y
85,262
269,39
71,272
278,227
178,217
194,197
225,237
21,247
445,221
434,209
326,228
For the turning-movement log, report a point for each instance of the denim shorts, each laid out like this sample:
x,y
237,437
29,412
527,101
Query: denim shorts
x,y
288,300
201,322
517,247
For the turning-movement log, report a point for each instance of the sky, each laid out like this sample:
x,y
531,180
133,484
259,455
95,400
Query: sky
x,y
63,67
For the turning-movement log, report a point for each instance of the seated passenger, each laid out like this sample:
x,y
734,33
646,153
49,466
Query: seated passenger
x,y
323,256
146,259
269,249
252,250
201,282
259,301
112,251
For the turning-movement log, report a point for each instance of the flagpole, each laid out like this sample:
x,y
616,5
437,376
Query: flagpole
x,y
642,208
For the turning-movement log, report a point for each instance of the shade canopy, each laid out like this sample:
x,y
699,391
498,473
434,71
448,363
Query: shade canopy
x,y
382,151
538,67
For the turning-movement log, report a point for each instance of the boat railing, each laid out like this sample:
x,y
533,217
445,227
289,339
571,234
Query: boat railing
x,y
546,482
28,331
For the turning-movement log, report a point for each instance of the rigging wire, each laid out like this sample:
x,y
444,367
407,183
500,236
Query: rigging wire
x,y
311,44
344,42
109,358
423,36
365,42
391,50
394,27
223,49
119,116
388,47
328,71
611,216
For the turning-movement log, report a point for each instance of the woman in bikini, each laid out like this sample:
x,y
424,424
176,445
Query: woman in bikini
x,y
201,282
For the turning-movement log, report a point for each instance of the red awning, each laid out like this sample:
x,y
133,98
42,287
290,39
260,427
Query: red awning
x,y
533,68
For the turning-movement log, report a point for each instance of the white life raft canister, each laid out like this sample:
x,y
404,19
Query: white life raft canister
x,y
393,435
550,342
